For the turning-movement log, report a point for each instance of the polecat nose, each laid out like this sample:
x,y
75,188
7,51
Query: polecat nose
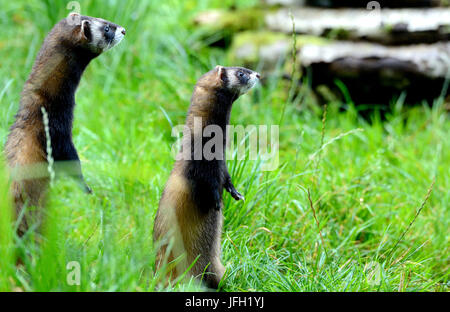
x,y
123,31
258,75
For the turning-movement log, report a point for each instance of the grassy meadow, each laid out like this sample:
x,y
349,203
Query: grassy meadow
x,y
356,204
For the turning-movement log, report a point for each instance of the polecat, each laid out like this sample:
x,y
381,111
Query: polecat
x,y
62,59
189,217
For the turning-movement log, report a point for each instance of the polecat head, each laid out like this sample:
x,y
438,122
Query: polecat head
x,y
238,80
95,34
235,80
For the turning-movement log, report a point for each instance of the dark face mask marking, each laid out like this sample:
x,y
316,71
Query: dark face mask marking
x,y
224,76
242,77
109,33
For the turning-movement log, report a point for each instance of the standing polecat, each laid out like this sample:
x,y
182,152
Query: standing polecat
x,y
189,217
62,59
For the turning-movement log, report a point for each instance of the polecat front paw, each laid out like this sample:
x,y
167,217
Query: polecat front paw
x,y
236,195
229,187
87,189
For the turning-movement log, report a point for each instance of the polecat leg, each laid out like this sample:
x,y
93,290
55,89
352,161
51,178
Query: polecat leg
x,y
31,196
72,168
214,275
86,187
83,184
229,187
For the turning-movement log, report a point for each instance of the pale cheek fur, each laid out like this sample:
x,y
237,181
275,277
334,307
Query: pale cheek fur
x,y
97,35
118,36
232,79
98,39
253,81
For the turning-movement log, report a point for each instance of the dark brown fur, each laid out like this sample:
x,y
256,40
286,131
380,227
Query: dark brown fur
x,y
54,78
189,218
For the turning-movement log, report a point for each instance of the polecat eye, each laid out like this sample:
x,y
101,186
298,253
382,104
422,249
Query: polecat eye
x,y
240,74
106,28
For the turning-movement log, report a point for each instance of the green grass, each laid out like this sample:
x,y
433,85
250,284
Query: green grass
x,y
366,186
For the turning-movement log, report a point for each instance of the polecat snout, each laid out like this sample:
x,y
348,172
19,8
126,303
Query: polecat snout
x,y
189,218
62,59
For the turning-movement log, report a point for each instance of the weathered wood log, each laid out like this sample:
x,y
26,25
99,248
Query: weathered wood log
x,y
375,73
387,26
267,50
259,48
383,3
359,3
218,27
285,2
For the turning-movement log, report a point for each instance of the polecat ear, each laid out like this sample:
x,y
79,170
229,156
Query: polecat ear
x,y
86,30
74,18
220,72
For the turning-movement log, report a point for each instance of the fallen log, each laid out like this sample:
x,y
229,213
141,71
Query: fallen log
x,y
217,27
359,3
374,73
383,3
386,26
267,50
